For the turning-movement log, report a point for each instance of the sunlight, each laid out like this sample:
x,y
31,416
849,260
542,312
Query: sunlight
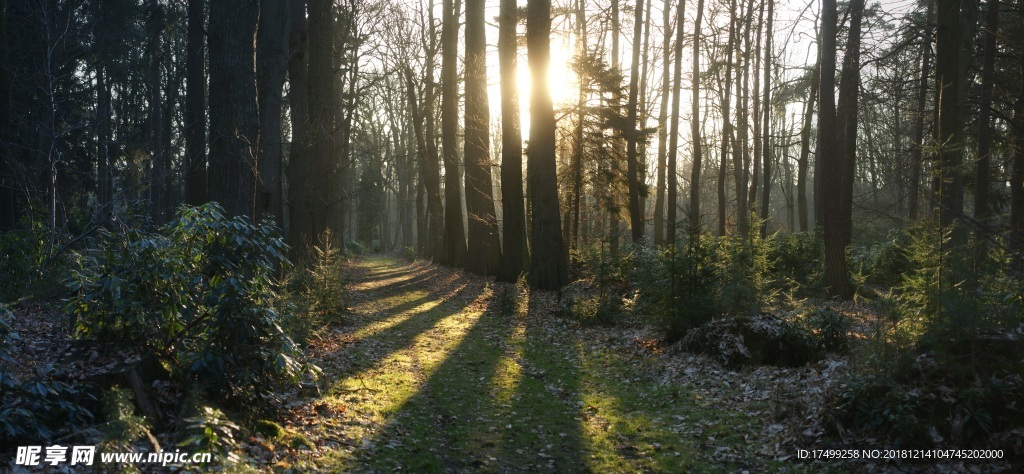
x,y
561,79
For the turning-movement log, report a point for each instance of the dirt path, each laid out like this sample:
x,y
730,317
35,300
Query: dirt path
x,y
438,371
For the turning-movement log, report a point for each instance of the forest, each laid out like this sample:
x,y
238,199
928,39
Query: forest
x,y
546,236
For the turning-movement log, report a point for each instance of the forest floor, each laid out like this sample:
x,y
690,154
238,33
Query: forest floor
x,y
434,370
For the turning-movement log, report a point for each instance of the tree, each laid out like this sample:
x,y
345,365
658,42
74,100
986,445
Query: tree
x,y
195,106
673,143
484,251
515,254
695,127
949,186
454,235
659,198
271,69
836,273
233,113
922,100
983,167
766,123
846,117
636,218
549,259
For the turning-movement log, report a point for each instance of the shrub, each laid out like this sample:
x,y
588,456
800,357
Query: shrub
x,y
210,431
691,295
797,261
199,296
832,328
743,268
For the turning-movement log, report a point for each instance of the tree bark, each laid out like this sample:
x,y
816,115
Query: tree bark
x,y
916,160
550,261
673,143
454,233
271,69
195,106
836,273
636,219
846,117
515,255
726,124
483,255
695,127
766,108
659,197
983,167
233,111
947,127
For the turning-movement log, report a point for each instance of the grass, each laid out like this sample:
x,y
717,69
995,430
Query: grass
x,y
435,374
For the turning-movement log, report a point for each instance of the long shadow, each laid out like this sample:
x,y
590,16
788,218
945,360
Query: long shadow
x,y
396,337
479,409
418,279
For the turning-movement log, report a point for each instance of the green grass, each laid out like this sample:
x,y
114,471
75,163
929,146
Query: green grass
x,y
438,377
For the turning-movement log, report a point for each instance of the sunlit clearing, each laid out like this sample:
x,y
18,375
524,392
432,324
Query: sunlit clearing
x,y
509,374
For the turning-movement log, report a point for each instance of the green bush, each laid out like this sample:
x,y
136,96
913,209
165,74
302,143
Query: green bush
x,y
199,296
355,248
210,431
797,261
744,273
690,296
832,328
26,270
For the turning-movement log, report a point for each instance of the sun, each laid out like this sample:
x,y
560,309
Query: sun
x,y
561,82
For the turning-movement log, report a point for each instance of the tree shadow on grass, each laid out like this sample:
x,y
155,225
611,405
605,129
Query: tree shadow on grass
x,y
497,401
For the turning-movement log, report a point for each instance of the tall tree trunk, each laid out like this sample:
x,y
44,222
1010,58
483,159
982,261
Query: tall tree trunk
x,y
947,128
673,143
550,261
195,106
581,112
755,162
7,203
805,150
430,173
159,164
1017,172
483,255
328,178
618,151
726,124
636,218
515,255
271,68
301,231
741,154
695,126
659,197
104,177
233,111
454,235
836,272
982,170
766,124
922,100
846,117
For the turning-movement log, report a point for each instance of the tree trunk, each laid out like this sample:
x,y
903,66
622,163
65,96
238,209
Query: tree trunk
x,y
982,170
766,124
233,111
483,255
805,151
515,255
550,261
922,100
726,106
836,273
195,106
636,218
846,117
301,232
673,143
947,127
695,127
271,68
659,197
454,235
159,165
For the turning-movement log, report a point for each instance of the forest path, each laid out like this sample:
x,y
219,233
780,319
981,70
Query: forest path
x,y
436,370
